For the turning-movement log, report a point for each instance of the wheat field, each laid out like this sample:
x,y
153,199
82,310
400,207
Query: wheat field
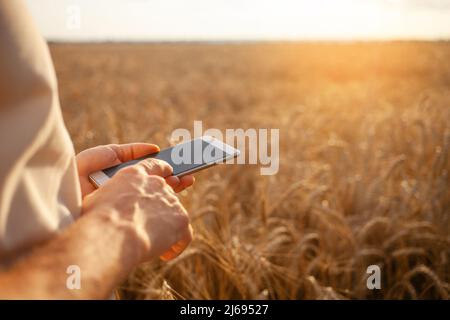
x,y
364,161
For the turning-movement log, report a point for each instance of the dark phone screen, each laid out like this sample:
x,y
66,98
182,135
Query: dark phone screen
x,y
182,157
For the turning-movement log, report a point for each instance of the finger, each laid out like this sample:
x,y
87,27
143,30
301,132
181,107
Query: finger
x,y
131,151
185,182
178,247
173,181
95,159
102,157
168,255
156,167
86,187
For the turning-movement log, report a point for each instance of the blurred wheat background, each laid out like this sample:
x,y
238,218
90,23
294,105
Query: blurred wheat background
x,y
364,161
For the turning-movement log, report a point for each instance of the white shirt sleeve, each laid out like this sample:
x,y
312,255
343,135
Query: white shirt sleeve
x,y
39,187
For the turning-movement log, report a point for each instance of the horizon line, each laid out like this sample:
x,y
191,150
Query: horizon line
x,y
231,41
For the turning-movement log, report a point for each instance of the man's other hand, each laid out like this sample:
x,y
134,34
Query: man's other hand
x,y
102,157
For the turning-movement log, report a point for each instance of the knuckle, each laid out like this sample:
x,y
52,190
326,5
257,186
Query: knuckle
x,y
164,166
159,161
157,181
130,170
150,162
157,167
172,198
145,165
169,191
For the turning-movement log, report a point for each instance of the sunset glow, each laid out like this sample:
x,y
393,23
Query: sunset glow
x,y
244,19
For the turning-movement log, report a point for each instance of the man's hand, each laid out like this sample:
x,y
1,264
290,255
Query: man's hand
x,y
140,199
133,217
102,157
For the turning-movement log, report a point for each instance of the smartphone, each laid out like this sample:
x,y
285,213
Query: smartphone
x,y
185,158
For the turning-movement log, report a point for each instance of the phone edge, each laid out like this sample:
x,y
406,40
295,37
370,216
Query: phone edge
x,y
98,178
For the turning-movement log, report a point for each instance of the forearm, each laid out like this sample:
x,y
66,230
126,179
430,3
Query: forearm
x,y
103,247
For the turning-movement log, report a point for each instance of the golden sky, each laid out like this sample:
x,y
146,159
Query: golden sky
x,y
136,20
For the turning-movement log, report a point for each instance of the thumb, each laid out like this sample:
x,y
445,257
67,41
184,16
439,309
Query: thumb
x,y
102,157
